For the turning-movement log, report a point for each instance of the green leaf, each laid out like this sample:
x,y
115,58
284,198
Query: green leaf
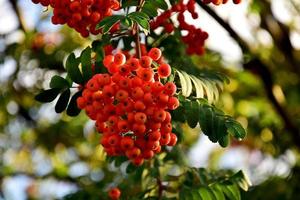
x,y
141,21
192,113
140,15
235,128
127,22
129,3
217,192
206,117
72,109
177,114
161,4
242,180
59,82
231,191
196,195
185,194
205,194
203,86
86,63
220,130
186,84
72,68
47,95
108,22
119,160
150,9
63,101
130,168
214,123
198,87
224,141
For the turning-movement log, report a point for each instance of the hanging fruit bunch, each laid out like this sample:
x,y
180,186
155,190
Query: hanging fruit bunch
x,y
82,15
130,105
132,94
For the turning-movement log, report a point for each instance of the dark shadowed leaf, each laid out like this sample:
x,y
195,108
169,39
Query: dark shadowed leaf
x,y
59,82
72,65
63,101
72,109
86,64
47,95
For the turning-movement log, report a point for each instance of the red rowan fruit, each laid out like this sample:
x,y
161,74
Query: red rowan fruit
x,y
123,126
165,139
138,161
173,103
140,118
145,61
121,95
155,54
81,103
164,70
133,153
170,88
159,115
133,64
127,143
114,193
154,136
146,74
108,60
119,59
173,140
114,140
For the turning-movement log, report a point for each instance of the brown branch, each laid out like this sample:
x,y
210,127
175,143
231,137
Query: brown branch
x,y
18,14
137,30
258,67
160,188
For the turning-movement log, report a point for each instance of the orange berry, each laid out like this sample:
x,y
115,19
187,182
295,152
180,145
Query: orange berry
x,y
145,61
164,70
155,53
114,193
119,59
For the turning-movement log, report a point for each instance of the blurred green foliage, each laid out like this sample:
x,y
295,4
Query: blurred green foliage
x,y
264,102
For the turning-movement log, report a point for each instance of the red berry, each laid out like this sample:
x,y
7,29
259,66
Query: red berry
x,y
164,70
140,118
133,153
146,61
108,60
173,140
127,143
119,59
148,154
114,193
133,64
155,54
173,103
138,161
146,74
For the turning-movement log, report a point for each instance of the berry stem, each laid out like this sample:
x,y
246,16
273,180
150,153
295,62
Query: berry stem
x,y
137,30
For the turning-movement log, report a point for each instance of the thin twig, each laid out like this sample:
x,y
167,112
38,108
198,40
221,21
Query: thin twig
x,y
18,14
261,69
137,30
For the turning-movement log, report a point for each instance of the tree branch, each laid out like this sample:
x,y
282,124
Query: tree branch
x,y
18,14
258,67
137,30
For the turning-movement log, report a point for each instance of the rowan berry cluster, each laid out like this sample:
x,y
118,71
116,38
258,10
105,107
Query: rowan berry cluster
x,y
195,37
82,15
130,105
218,2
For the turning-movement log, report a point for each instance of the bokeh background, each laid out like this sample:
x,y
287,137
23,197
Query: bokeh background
x,y
44,155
